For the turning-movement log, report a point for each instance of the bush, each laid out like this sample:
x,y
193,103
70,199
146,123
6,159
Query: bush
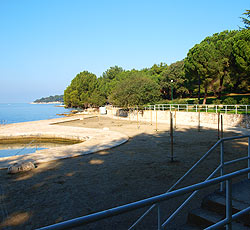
x,y
195,101
245,101
180,101
229,101
217,102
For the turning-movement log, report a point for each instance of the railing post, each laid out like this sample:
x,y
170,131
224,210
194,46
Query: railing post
x,y
159,217
178,107
221,164
236,109
248,156
187,107
229,204
216,108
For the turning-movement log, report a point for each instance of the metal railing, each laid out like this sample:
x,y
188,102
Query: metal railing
x,y
235,109
155,201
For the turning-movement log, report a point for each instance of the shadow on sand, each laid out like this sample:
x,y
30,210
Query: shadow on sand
x,y
69,188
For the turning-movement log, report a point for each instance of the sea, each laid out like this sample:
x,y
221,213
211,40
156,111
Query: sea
x,y
22,112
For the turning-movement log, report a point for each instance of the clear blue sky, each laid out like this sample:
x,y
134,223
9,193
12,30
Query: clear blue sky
x,y
45,43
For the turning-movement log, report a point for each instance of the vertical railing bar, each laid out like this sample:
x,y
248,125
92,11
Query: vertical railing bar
x,y
229,204
222,163
188,199
159,216
248,150
142,216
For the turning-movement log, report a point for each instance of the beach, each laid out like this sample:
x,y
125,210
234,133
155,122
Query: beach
x,y
59,190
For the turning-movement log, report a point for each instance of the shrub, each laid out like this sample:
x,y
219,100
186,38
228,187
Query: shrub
x,y
195,101
245,101
229,101
217,102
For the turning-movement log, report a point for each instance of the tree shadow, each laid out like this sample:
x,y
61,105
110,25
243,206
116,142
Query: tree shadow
x,y
69,188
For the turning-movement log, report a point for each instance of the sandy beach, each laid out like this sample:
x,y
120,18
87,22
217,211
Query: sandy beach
x,y
63,189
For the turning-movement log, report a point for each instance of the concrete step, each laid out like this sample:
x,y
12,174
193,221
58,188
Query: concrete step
x,y
204,218
216,203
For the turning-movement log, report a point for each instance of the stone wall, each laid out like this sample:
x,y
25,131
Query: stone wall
x,y
183,118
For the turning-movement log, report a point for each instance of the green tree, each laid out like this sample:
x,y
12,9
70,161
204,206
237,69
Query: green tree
x,y
246,21
79,92
135,90
176,73
108,79
208,63
240,76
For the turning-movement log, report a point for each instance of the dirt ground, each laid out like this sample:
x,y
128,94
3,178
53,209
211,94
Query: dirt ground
x,y
69,188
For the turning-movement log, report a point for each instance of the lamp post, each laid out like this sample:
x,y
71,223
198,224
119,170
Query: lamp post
x,y
172,90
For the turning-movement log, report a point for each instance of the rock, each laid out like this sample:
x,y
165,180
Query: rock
x,y
21,167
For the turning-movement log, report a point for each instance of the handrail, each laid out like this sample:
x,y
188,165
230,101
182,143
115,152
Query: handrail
x,y
143,203
153,201
185,175
201,107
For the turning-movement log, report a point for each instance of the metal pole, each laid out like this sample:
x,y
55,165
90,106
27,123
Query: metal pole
x,y
249,156
229,204
171,137
159,217
221,126
172,91
222,164
151,115
175,118
236,109
199,120
137,118
156,120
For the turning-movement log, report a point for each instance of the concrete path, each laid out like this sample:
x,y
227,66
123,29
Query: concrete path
x,y
94,139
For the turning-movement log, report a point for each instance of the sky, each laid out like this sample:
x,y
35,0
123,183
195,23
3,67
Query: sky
x,y
45,43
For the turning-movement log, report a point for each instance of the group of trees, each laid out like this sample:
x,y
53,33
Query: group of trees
x,y
56,98
219,64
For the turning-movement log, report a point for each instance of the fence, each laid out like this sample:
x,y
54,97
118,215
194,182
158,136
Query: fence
x,y
155,201
237,109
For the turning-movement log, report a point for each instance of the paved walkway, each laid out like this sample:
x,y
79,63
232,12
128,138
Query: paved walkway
x,y
94,140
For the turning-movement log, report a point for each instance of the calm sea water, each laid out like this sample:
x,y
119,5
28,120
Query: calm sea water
x,y
20,112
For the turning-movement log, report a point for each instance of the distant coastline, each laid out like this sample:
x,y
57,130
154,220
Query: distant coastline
x,y
51,102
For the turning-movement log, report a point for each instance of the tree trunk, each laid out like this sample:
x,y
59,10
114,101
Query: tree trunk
x,y
205,97
221,84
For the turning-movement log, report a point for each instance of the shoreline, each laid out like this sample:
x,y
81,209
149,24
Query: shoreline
x,y
91,140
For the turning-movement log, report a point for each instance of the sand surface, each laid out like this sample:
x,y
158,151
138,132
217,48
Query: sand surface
x,y
69,188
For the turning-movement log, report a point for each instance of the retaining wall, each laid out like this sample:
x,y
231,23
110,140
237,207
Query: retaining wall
x,y
183,118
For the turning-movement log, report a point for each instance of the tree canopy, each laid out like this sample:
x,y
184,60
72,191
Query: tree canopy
x,y
218,65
